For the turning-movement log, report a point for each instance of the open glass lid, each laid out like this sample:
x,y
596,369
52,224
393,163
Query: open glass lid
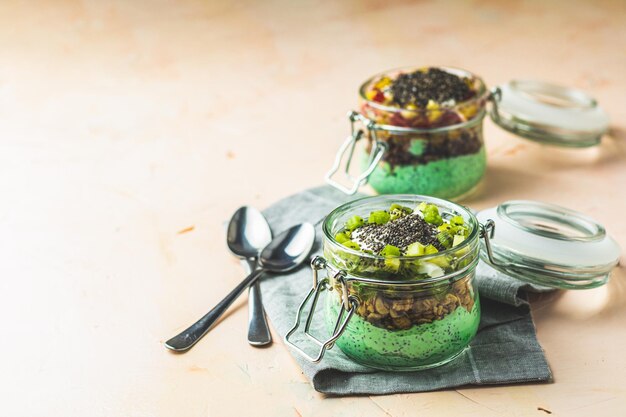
x,y
549,113
547,245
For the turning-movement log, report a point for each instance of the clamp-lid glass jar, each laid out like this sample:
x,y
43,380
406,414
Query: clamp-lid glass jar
x,y
424,128
400,313
417,308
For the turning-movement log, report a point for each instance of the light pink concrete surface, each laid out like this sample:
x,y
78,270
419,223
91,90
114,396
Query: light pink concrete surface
x,y
123,123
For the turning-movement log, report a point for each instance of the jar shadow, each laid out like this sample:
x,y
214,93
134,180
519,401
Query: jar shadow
x,y
583,304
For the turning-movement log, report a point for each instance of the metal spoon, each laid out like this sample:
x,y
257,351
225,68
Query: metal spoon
x,y
285,252
248,233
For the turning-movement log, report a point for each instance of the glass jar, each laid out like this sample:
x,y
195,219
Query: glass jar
x,y
418,312
404,313
438,149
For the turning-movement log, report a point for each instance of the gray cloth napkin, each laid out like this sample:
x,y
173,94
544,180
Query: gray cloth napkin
x,y
504,351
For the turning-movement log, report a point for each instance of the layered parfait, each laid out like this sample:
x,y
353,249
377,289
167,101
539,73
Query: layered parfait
x,y
417,306
431,121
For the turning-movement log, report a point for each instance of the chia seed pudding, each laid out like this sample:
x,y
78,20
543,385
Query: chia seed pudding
x,y
413,263
432,126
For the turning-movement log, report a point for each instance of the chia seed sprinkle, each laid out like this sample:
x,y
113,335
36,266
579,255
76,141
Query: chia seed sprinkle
x,y
435,84
400,232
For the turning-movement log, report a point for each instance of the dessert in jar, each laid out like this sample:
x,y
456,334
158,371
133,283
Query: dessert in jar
x,y
407,263
423,128
426,124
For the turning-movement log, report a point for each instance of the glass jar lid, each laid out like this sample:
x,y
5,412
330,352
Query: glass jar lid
x,y
547,245
549,113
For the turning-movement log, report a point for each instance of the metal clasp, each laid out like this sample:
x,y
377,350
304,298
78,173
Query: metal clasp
x,y
487,231
495,96
348,306
349,145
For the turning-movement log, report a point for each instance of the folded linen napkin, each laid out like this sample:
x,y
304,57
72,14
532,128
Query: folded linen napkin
x,y
504,351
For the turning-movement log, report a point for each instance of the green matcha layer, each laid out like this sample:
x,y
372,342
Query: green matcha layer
x,y
444,178
421,346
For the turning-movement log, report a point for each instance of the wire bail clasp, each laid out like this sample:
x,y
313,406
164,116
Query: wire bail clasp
x,y
348,146
487,232
348,306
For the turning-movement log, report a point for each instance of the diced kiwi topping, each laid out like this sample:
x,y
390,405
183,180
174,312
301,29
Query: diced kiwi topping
x,y
402,231
351,245
430,249
445,238
458,239
431,215
342,237
415,249
354,223
457,221
389,251
379,217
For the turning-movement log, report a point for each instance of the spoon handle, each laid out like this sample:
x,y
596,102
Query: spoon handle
x,y
258,330
185,340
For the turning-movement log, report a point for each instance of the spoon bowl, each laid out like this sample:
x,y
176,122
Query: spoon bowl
x,y
289,249
248,232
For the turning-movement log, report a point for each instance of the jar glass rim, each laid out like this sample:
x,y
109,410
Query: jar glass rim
x,y
556,222
399,198
481,94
